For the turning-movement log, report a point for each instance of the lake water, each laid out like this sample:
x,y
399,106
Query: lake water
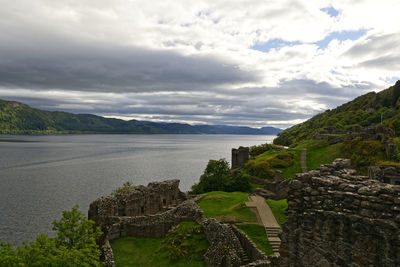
x,y
44,175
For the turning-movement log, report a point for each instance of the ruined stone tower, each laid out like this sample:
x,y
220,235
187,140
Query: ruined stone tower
x,y
239,156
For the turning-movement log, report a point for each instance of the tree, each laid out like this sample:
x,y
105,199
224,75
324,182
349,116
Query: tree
x,y
215,177
74,245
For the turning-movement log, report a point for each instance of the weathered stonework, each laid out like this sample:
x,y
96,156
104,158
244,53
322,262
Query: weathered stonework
x,y
378,133
122,215
154,198
336,218
385,174
240,156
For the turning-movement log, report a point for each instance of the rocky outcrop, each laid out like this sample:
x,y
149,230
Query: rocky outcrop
x,y
336,218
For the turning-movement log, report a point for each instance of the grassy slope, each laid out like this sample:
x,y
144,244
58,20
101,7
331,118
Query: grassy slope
x,y
218,204
278,208
355,112
141,251
257,233
320,152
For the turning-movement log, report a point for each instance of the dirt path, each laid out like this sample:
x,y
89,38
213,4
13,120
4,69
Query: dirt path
x,y
303,160
267,219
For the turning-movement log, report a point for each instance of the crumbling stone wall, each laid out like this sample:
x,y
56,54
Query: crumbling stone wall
x,y
385,174
240,156
156,225
336,218
254,254
154,198
379,133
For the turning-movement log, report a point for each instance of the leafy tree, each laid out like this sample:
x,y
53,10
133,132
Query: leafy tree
x,y
215,177
74,245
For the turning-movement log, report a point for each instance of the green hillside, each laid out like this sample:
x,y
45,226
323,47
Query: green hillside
x,y
365,110
18,118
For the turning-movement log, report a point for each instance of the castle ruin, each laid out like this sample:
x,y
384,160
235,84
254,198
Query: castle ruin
x,y
240,156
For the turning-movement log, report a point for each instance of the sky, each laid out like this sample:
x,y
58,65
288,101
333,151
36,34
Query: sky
x,y
244,62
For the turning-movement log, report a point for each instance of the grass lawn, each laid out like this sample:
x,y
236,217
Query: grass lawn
x,y
278,208
222,204
142,251
257,233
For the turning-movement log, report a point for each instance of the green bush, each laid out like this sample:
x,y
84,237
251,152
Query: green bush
x,y
217,177
239,183
258,150
363,153
261,169
74,245
125,187
184,240
282,160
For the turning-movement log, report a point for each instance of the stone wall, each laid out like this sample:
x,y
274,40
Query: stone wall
x,y
156,225
385,174
254,254
240,156
336,218
154,198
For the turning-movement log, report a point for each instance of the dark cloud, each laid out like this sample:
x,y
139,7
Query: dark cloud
x,y
111,68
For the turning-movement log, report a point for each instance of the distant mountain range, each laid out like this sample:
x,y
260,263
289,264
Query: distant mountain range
x,y
366,110
18,118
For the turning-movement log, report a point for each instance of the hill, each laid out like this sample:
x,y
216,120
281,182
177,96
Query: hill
x,y
18,118
365,110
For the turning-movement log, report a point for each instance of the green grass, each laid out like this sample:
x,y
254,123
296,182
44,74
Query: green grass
x,y
320,152
222,204
257,233
255,186
290,172
142,251
267,155
278,208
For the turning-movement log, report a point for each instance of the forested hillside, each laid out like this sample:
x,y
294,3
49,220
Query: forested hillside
x,y
18,118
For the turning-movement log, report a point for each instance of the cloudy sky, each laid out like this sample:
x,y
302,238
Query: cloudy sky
x,y
243,62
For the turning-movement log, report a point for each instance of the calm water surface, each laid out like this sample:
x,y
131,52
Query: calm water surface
x,y
44,175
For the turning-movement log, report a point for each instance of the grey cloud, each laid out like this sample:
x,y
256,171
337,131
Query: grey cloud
x,y
375,45
111,68
386,63
244,106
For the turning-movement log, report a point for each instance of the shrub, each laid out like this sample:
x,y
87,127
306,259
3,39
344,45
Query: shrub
x,y
363,153
239,183
261,169
217,177
282,160
125,187
74,245
258,150
183,240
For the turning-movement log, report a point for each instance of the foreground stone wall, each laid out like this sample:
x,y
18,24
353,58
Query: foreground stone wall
x,y
336,218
